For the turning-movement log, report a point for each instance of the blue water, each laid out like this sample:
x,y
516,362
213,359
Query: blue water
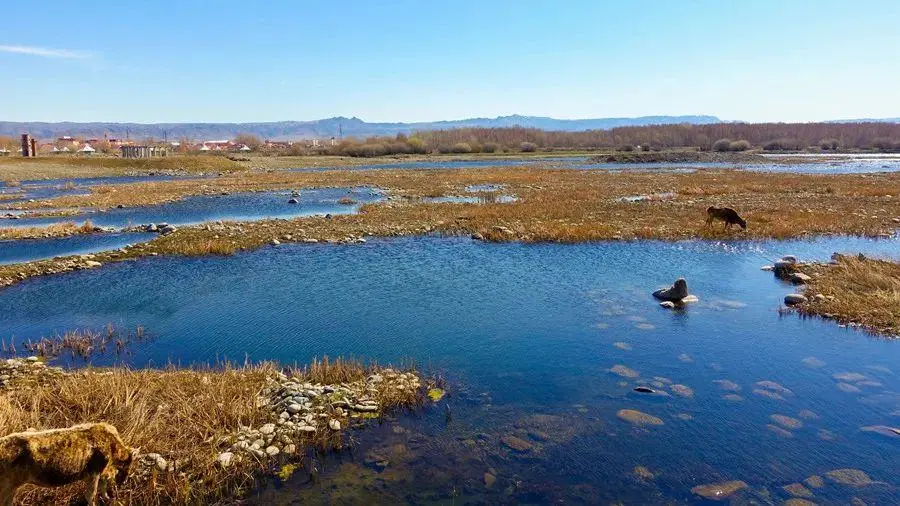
x,y
525,335
29,250
233,207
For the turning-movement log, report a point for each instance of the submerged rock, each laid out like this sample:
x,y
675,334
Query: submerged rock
x,y
850,377
808,414
797,490
813,362
682,390
774,387
624,371
516,443
719,491
642,473
786,421
636,417
884,430
778,430
728,385
797,501
815,481
674,293
848,388
850,477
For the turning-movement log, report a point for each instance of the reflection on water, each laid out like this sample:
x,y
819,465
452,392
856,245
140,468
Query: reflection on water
x,y
529,337
234,207
28,250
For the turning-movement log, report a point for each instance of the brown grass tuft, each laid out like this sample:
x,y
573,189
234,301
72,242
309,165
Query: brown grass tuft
x,y
180,414
55,230
857,290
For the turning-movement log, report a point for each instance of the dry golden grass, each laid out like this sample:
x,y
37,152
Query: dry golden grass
x,y
55,230
19,168
188,416
180,414
570,205
857,290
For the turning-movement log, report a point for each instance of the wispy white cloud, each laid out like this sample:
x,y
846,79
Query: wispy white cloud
x,y
45,52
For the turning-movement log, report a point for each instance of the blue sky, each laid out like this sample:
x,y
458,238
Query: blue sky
x,y
227,61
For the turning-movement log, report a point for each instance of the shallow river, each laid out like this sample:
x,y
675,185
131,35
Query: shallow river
x,y
526,336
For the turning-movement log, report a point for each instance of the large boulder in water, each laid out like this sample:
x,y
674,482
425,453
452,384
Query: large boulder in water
x,y
674,293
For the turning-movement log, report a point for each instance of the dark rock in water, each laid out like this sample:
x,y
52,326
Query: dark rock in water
x,y
674,293
644,390
293,201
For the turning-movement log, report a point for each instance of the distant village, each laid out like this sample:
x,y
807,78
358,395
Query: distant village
x,y
149,148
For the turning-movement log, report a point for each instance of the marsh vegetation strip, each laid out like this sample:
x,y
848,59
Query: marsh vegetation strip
x,y
527,335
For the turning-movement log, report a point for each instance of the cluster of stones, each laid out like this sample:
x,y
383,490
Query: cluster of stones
x,y
304,410
22,370
161,228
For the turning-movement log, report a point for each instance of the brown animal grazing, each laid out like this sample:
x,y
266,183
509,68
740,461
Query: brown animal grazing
x,y
57,457
726,214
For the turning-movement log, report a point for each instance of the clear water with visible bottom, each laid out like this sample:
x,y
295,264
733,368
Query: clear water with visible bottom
x,y
527,337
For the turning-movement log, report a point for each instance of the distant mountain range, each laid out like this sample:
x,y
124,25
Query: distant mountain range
x,y
865,120
323,128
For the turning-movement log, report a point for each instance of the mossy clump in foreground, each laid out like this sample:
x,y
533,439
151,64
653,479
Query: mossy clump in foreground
x,y
855,290
205,435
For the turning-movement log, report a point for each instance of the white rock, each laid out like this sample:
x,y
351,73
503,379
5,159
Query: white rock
x,y
224,459
334,424
267,429
272,451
